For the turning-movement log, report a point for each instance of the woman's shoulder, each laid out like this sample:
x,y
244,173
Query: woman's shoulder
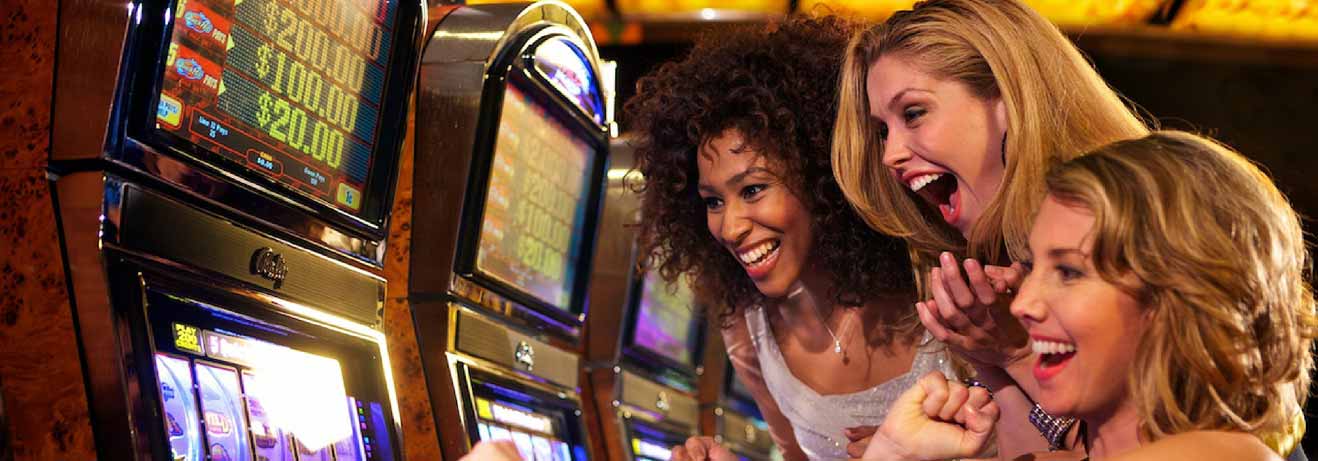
x,y
1204,445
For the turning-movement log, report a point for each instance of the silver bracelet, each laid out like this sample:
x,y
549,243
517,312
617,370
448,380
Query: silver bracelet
x,y
1052,428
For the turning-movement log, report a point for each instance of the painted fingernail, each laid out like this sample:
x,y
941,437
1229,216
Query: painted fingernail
x,y
947,257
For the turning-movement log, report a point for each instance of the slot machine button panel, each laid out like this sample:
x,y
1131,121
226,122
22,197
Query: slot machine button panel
x,y
480,337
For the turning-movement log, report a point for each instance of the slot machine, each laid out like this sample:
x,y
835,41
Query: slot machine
x,y
223,172
729,412
645,336
512,127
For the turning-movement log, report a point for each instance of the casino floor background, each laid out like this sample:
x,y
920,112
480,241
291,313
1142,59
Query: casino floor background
x,y
172,289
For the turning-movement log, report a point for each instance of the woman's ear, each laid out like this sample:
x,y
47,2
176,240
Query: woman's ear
x,y
1000,114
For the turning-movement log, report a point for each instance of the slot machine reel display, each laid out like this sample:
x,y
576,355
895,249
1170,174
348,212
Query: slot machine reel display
x,y
224,222
645,336
512,131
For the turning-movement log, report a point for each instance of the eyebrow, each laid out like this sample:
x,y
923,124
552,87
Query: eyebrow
x,y
1060,252
892,103
737,178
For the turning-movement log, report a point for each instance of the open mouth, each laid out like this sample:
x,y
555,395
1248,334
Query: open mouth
x,y
941,191
1053,357
760,254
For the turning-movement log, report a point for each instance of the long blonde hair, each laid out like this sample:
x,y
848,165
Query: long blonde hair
x,y
1057,107
1221,264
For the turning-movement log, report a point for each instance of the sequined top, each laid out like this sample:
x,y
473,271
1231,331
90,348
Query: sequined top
x,y
818,421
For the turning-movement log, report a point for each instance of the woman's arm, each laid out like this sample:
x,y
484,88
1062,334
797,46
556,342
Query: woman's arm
x,y
745,362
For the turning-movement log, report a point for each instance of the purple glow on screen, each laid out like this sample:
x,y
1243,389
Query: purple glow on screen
x,y
666,322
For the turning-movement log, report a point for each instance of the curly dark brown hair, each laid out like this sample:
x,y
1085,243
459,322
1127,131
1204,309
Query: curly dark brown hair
x,y
777,85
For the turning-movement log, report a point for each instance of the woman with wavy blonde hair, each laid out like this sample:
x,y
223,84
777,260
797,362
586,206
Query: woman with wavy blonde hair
x,y
1168,306
949,115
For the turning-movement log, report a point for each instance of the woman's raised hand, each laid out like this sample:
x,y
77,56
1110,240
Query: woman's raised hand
x,y
495,450
935,419
969,312
702,448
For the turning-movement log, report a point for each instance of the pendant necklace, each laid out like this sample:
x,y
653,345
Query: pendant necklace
x,y
837,343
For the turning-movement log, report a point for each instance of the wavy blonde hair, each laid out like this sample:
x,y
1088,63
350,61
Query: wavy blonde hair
x,y
1057,107
1221,264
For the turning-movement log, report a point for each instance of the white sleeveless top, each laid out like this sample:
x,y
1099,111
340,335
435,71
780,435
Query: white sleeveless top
x,y
818,421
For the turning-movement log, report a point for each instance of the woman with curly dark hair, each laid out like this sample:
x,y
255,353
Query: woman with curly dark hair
x,y
739,198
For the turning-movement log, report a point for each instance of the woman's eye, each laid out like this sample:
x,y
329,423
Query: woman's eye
x,y
912,113
1027,266
883,131
1069,273
751,191
713,203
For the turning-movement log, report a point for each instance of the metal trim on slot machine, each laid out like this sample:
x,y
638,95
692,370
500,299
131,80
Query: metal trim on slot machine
x,y
513,120
727,412
645,337
223,172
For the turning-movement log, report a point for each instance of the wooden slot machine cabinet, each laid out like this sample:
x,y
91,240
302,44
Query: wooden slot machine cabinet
x,y
512,129
728,412
644,337
222,171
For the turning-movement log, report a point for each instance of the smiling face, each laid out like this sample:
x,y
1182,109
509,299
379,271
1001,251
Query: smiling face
x,y
1084,330
939,138
753,213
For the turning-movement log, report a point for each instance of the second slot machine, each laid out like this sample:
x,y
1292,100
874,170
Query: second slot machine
x,y
644,338
512,136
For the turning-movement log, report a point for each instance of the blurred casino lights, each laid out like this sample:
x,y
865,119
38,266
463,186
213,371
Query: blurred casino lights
x,y
1292,22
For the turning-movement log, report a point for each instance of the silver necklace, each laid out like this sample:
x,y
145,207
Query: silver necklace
x,y
837,344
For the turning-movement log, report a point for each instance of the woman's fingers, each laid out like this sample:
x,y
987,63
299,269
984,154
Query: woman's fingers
x,y
697,449
859,432
947,307
956,399
1007,277
856,448
977,397
493,450
979,283
955,284
935,389
932,322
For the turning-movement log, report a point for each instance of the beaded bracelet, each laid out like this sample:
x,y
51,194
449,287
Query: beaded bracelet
x,y
1052,428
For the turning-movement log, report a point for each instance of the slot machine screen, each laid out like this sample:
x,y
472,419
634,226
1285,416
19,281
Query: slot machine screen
x,y
291,91
264,391
540,432
666,322
535,203
650,443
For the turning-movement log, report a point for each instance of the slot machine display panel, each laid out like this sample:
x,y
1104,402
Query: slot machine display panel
x,y
544,426
664,332
281,109
534,237
229,374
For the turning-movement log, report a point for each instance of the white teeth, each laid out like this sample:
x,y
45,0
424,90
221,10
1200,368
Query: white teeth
x,y
757,254
1050,347
920,181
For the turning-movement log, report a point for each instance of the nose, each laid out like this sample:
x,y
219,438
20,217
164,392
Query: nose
x,y
735,225
1028,307
895,153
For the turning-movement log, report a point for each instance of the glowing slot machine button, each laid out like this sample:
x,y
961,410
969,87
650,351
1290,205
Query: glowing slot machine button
x,y
349,196
170,111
